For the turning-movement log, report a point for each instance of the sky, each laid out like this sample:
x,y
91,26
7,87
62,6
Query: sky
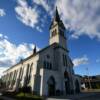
x,y
25,23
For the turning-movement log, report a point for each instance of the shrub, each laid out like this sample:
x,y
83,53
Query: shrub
x,y
58,93
26,89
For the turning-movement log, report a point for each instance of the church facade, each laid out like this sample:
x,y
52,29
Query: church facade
x,y
48,71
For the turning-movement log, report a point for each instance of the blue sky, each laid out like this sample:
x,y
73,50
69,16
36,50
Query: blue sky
x,y
25,23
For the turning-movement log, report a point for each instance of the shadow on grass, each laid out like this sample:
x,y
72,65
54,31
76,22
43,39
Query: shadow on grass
x,y
28,96
23,96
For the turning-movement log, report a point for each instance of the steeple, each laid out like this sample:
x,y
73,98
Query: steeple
x,y
57,31
56,17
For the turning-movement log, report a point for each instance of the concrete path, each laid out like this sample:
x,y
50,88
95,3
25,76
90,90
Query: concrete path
x,y
56,99
83,96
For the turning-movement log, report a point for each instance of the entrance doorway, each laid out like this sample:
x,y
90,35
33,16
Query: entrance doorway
x,y
51,86
67,84
67,87
77,90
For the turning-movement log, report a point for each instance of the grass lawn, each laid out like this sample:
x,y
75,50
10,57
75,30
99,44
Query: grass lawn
x,y
27,96
22,96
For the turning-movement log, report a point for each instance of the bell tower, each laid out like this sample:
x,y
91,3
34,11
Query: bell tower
x,y
57,31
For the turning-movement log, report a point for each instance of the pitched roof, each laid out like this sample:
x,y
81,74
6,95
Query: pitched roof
x,y
55,45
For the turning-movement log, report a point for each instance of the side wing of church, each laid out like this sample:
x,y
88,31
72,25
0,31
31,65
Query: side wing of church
x,y
48,71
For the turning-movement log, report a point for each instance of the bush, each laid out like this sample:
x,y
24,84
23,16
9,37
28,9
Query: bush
x,y
98,86
25,89
58,93
22,96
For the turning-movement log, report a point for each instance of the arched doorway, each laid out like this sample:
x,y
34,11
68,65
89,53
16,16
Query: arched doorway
x,y
77,90
51,86
67,84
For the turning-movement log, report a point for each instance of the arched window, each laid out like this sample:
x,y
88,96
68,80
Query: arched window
x,y
51,80
30,70
28,74
14,75
22,73
47,65
65,60
54,32
66,76
27,71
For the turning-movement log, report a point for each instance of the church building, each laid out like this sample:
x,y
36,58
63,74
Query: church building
x,y
48,71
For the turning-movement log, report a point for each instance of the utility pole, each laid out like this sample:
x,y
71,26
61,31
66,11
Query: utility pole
x,y
88,77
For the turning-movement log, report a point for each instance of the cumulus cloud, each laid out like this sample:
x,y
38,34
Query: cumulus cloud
x,y
11,53
39,29
30,15
98,60
82,16
2,12
26,14
47,5
80,61
2,69
43,3
3,36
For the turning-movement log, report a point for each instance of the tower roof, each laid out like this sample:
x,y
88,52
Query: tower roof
x,y
57,19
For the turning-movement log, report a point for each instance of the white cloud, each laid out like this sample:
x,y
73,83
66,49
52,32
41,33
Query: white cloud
x,y
43,3
80,61
3,36
30,15
11,53
2,69
2,12
47,5
26,14
83,16
98,60
39,29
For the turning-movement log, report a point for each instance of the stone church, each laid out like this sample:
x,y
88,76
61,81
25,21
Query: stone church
x,y
48,71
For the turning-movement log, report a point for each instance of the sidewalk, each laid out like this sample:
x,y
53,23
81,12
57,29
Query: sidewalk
x,y
73,97
78,96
